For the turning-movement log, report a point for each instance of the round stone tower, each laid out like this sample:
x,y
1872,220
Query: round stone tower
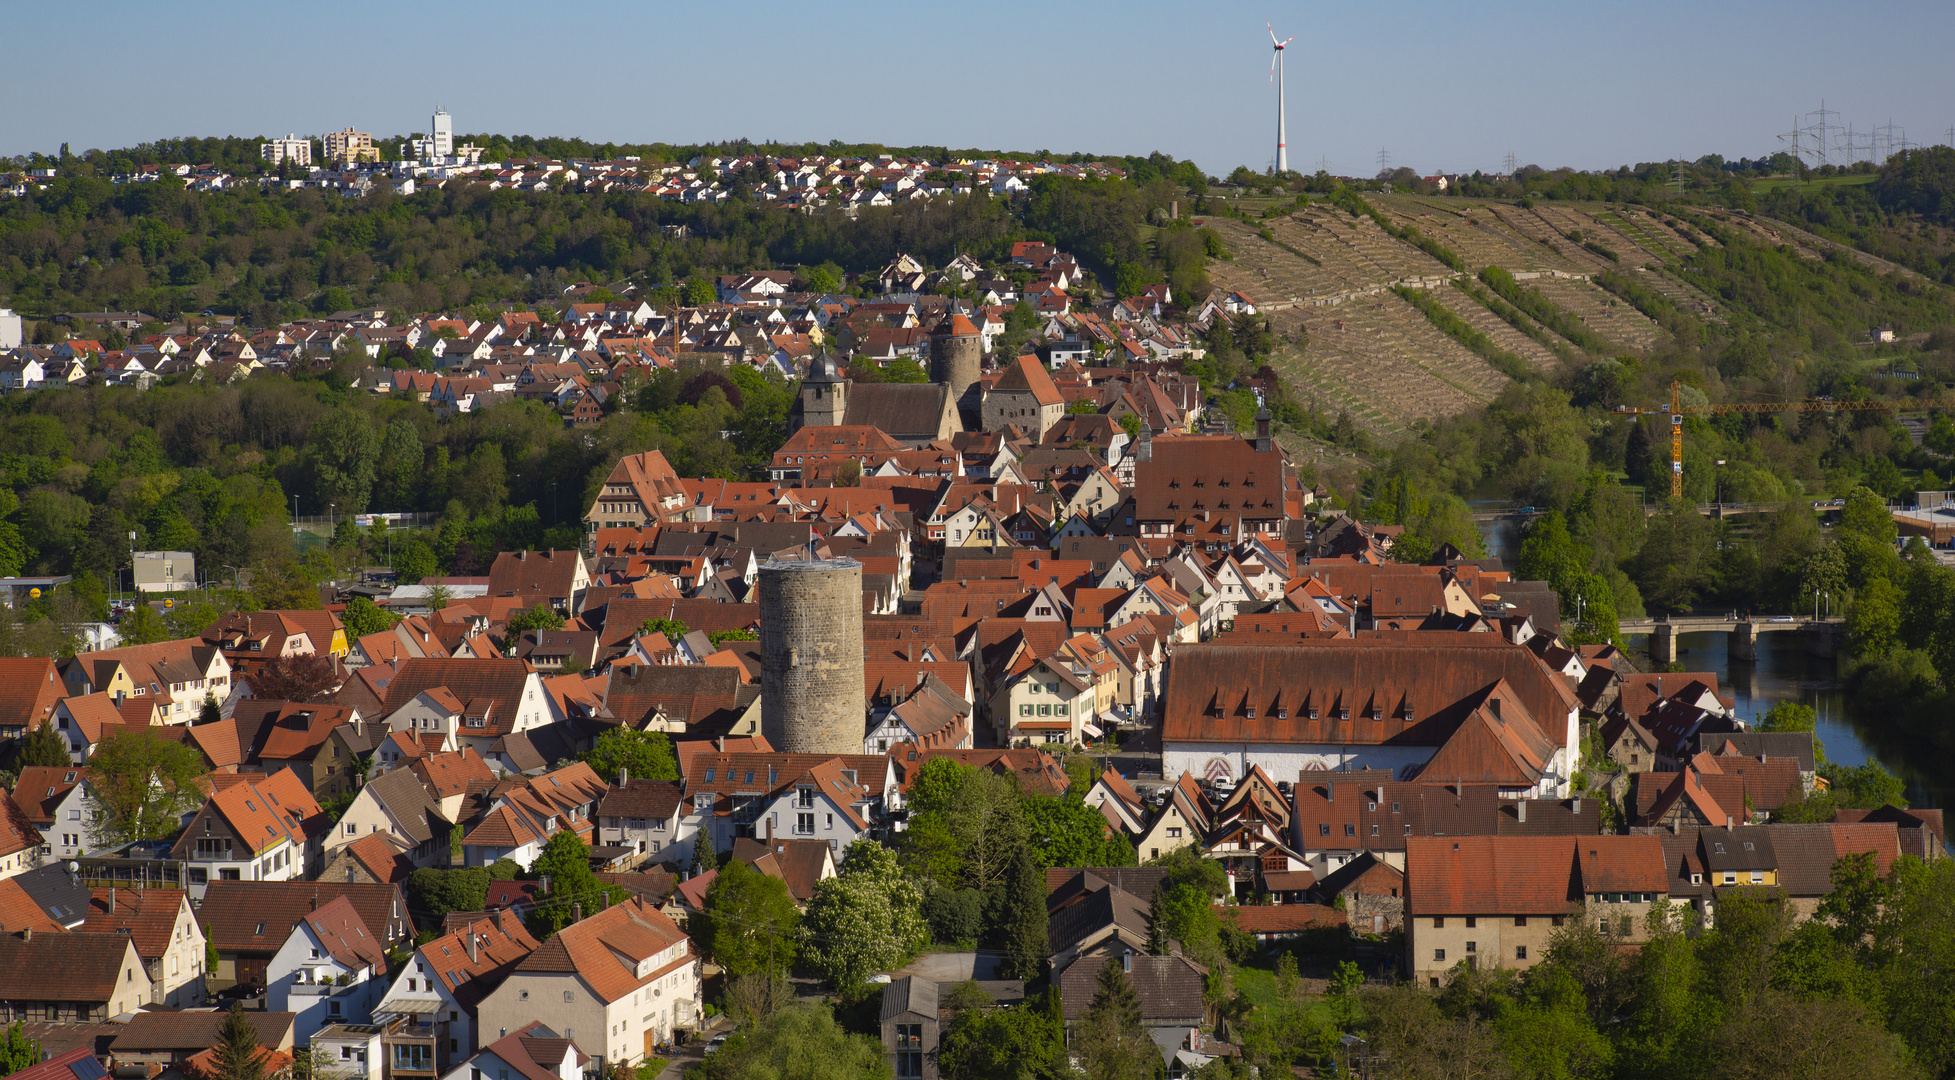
x,y
956,354
811,690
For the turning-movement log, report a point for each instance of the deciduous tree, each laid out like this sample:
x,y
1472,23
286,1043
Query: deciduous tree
x,y
140,787
540,617
865,919
294,678
749,925
801,1042
362,617
640,755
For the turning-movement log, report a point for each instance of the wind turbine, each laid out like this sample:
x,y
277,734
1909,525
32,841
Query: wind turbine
x,y
1276,76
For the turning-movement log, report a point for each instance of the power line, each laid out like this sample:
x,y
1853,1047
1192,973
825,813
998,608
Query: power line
x,y
1822,130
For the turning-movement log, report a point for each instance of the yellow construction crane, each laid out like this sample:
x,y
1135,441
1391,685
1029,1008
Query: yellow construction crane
x,y
1677,410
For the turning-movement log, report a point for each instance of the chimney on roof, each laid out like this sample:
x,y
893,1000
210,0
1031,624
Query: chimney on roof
x,y
27,934
1520,809
577,912
315,901
111,899
474,953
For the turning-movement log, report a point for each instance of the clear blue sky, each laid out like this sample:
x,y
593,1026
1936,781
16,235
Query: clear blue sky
x,y
1452,86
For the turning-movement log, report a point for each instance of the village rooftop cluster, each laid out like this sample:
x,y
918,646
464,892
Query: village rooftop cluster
x,y
1046,554
349,163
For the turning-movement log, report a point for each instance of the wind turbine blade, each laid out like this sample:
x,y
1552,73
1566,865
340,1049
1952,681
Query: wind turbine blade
x,y
1285,42
1272,33
1272,68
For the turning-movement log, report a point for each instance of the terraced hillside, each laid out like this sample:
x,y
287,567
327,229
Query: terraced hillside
x,y
1370,353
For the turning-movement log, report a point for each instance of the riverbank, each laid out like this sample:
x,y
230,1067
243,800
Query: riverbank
x,y
1784,672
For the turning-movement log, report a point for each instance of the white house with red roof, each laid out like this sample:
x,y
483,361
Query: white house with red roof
x,y
252,828
330,970
445,982
531,1052
617,983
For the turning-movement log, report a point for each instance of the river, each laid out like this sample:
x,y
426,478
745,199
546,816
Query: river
x,y
1783,672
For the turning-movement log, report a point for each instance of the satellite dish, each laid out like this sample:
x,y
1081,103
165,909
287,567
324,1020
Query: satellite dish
x,y
74,867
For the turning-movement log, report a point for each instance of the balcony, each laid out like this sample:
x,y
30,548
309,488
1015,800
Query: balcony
x,y
410,1049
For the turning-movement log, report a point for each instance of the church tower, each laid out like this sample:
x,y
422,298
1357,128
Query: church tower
x,y
824,394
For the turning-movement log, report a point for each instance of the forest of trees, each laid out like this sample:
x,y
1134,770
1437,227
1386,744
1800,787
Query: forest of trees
x,y
273,256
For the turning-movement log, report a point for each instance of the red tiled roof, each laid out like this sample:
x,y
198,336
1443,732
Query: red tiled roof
x,y
148,916
344,936
1488,875
256,916
29,689
42,787
451,773
19,911
478,684
16,832
1282,918
382,857
1026,375
1425,690
604,949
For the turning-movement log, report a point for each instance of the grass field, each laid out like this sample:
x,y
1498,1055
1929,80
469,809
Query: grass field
x,y
1776,183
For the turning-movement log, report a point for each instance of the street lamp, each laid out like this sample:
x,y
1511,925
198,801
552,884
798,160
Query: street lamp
x,y
1718,485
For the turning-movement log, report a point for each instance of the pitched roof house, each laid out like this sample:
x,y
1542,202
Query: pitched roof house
x,y
249,920
71,977
1496,900
258,828
1444,706
617,983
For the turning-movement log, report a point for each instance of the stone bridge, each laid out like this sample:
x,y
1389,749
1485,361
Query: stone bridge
x,y
1822,634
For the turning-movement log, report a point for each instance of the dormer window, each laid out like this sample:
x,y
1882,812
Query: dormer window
x,y
1282,714
1343,714
1313,714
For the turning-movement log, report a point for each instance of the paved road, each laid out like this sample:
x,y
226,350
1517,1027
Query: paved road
x,y
693,1052
952,967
